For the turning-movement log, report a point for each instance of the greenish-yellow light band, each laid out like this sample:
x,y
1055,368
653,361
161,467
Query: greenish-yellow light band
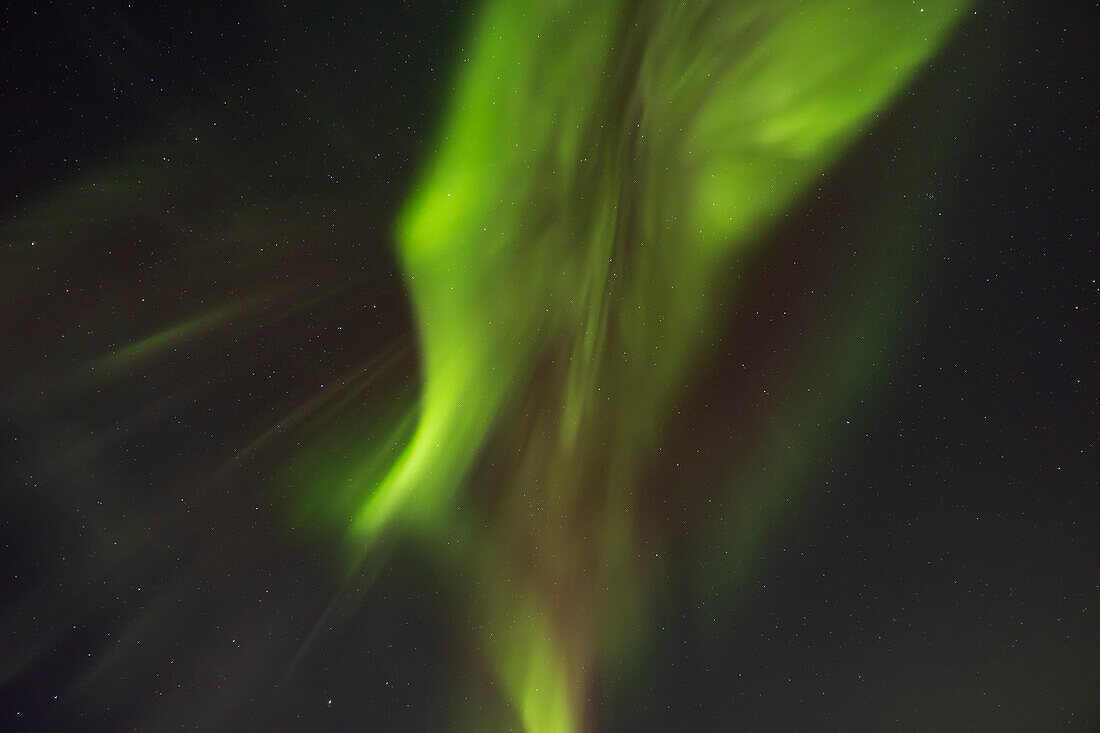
x,y
597,168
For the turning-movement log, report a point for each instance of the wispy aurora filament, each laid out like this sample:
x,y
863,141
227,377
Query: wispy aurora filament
x,y
598,167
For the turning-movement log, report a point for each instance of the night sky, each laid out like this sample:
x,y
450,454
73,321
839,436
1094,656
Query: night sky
x,y
737,371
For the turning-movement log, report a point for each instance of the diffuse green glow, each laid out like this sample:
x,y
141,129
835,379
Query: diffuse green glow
x,y
598,167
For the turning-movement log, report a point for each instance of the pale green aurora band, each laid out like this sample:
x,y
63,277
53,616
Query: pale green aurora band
x,y
598,167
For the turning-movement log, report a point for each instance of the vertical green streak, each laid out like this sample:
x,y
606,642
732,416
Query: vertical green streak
x,y
566,250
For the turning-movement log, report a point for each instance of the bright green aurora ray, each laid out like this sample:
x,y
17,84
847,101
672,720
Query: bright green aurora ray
x,y
598,168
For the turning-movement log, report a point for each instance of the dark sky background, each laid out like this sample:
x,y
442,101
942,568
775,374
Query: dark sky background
x,y
943,576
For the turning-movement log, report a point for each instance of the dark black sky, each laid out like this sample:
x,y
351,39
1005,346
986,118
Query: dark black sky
x,y
943,576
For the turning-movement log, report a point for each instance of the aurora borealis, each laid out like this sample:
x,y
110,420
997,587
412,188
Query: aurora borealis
x,y
551,367
561,253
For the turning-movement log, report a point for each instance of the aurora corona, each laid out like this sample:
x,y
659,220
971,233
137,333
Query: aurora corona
x,y
583,225
599,168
